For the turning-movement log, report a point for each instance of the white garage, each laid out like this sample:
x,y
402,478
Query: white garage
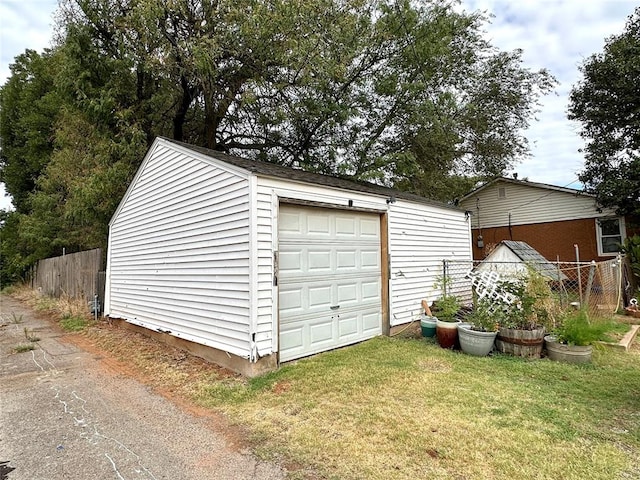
x,y
251,264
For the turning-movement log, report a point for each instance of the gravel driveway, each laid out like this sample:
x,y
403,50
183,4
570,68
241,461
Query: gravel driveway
x,y
62,416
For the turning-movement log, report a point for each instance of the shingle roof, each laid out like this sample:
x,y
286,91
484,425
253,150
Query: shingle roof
x,y
534,259
288,173
527,183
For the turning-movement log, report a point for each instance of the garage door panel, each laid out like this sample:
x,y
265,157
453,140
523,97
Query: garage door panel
x,y
346,227
331,261
370,259
320,297
319,260
370,290
371,323
346,260
370,228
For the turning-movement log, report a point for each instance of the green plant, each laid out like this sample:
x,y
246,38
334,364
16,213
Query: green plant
x,y
577,329
446,308
23,347
17,319
631,248
535,304
485,317
73,324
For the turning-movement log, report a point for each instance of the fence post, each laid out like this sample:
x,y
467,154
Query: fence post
x,y
444,278
592,273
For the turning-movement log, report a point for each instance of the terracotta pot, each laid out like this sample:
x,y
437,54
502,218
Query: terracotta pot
x,y
447,333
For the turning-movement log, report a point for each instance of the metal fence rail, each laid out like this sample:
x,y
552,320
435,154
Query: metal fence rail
x,y
596,286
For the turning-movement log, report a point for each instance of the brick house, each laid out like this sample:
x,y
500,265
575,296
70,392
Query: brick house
x,y
553,220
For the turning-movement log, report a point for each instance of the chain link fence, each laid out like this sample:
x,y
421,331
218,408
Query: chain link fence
x,y
596,286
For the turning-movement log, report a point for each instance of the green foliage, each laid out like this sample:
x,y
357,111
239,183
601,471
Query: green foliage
x,y
535,303
446,308
577,329
73,323
631,248
606,102
485,317
28,110
23,347
400,93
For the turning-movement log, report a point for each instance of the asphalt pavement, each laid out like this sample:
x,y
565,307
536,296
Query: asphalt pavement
x,y
64,417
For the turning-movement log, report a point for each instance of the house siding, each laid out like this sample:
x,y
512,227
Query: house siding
x,y
179,251
527,204
420,238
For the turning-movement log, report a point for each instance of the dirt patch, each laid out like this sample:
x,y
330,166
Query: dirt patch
x,y
168,371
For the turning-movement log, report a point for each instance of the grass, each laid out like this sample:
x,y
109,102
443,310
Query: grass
x,y
404,408
73,323
23,347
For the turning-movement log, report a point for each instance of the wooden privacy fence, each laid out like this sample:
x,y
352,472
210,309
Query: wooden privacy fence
x,y
74,274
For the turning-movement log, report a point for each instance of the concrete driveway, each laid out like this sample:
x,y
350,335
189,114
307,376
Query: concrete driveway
x,y
64,417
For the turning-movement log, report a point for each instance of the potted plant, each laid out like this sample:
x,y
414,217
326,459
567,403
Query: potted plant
x,y
528,317
445,311
428,321
478,335
571,341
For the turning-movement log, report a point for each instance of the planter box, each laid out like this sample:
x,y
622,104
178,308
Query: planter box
x,y
447,333
567,353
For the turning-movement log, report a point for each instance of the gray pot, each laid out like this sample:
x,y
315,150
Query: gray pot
x,y
567,353
475,343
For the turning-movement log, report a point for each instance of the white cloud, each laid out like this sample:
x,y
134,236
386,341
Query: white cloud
x,y
557,35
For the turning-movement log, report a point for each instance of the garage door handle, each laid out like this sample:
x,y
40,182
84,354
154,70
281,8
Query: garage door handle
x,y
335,307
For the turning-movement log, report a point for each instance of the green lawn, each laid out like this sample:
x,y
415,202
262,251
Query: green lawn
x,y
404,408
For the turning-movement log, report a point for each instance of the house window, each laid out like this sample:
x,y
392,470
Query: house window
x,y
610,235
502,192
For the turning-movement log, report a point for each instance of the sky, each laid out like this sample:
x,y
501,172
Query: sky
x,y
554,34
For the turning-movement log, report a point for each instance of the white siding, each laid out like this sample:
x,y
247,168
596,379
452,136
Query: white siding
x,y
266,327
527,204
420,238
179,251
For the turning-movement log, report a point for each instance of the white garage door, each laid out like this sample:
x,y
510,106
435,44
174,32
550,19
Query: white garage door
x,y
329,279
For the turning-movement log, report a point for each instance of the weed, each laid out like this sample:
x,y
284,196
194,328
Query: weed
x,y
23,347
73,323
30,336
17,319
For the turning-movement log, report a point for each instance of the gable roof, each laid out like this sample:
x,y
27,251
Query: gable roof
x,y
288,173
534,259
527,183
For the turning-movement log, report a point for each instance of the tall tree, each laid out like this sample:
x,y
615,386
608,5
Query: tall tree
x,y
336,87
607,103
398,92
28,111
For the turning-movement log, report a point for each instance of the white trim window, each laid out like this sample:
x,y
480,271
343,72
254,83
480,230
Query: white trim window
x,y
610,233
